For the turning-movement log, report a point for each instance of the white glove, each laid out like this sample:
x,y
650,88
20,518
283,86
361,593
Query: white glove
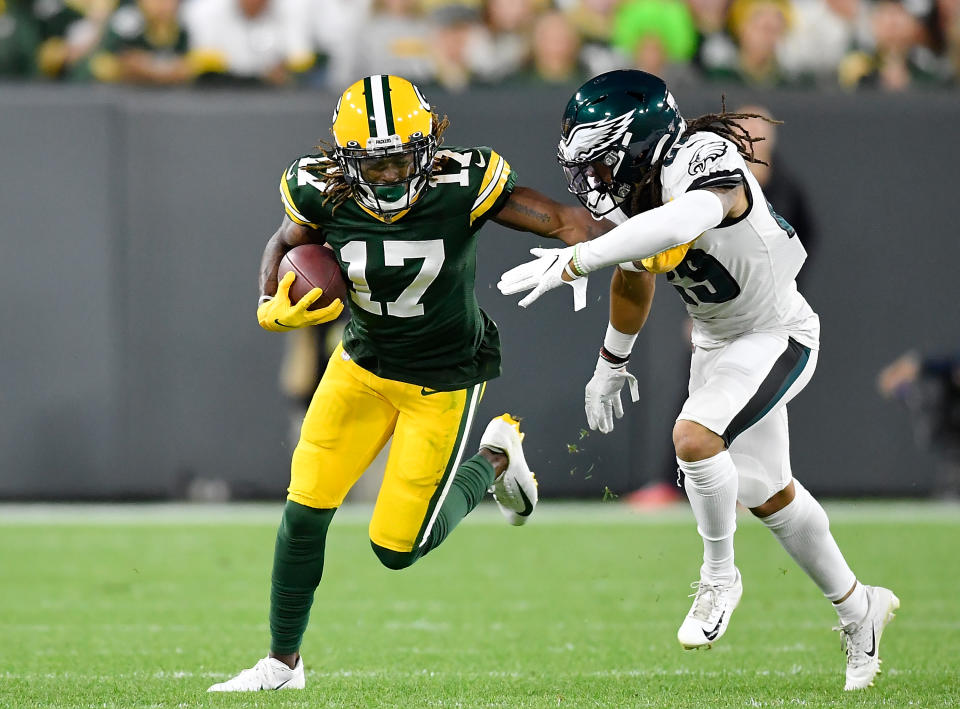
x,y
602,395
543,274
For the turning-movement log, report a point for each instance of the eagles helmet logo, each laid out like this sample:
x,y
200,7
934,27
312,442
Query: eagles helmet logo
x,y
588,140
614,130
704,155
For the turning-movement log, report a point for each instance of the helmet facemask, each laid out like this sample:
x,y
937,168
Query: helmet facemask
x,y
594,183
388,176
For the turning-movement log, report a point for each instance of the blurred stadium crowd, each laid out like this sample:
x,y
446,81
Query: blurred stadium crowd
x,y
888,44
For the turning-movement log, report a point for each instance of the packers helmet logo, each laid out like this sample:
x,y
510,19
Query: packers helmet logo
x,y
336,111
423,100
704,155
588,140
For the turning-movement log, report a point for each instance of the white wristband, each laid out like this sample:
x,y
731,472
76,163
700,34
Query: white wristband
x,y
618,343
264,299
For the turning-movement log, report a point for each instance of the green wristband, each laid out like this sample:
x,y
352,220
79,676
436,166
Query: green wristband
x,y
577,263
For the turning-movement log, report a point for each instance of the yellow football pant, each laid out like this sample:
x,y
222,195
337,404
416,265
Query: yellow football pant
x,y
352,415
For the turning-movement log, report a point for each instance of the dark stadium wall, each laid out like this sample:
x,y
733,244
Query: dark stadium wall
x,y
132,225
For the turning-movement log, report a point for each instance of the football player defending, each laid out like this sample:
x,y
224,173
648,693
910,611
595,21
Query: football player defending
x,y
402,218
686,204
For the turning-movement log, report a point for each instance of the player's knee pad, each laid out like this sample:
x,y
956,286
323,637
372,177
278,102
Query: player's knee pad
x,y
395,560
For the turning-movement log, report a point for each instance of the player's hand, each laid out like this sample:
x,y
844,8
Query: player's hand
x,y
543,274
602,395
280,315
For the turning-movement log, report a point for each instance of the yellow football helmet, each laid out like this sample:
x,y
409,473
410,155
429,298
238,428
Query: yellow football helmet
x,y
383,129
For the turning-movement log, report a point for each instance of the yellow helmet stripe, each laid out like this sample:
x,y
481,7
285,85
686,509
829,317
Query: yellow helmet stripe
x,y
351,120
491,186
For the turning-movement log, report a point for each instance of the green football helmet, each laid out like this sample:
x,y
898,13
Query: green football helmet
x,y
615,128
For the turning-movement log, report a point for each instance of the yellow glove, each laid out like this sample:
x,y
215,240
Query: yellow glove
x,y
278,314
666,260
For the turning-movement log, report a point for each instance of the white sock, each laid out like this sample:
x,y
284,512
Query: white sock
x,y
803,530
711,486
853,608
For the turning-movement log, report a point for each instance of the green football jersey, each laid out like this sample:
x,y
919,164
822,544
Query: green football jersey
x,y
414,313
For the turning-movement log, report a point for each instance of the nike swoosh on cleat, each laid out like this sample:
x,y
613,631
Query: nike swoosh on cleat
x,y
429,392
281,684
527,505
873,646
716,629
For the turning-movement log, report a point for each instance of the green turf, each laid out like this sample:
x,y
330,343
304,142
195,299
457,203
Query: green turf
x,y
579,608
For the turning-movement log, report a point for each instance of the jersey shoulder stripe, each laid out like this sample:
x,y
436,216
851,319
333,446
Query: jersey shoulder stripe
x,y
495,181
290,207
301,188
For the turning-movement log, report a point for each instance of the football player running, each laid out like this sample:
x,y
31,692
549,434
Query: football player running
x,y
402,217
686,204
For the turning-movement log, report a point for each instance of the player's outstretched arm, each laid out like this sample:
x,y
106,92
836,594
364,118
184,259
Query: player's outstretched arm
x,y
677,222
642,236
287,235
631,295
529,210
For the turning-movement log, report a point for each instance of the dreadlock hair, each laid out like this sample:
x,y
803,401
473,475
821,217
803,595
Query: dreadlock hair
x,y
337,190
646,194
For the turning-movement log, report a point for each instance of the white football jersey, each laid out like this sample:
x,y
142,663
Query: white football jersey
x,y
739,276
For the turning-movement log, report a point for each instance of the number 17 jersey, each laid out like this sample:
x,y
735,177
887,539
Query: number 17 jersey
x,y
414,312
738,277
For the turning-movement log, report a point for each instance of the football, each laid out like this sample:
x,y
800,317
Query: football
x,y
316,267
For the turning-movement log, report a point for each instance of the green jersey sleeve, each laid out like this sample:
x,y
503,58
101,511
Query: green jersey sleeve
x,y
486,175
303,190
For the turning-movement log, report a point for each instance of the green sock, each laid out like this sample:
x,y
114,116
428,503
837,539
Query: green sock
x,y
470,484
297,569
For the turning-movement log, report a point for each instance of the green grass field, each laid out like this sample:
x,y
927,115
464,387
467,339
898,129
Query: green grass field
x,y
146,607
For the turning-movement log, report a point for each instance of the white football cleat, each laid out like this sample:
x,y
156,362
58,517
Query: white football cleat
x,y
862,640
267,674
516,489
707,621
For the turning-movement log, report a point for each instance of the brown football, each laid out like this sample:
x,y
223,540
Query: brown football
x,y
316,267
